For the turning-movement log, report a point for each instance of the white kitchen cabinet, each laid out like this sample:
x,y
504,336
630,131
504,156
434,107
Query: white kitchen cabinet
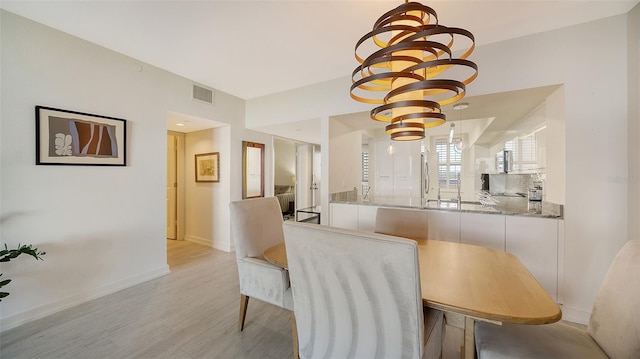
x,y
343,215
486,230
535,242
367,218
444,226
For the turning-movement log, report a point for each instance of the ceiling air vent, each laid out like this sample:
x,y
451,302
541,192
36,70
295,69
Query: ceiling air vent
x,y
203,94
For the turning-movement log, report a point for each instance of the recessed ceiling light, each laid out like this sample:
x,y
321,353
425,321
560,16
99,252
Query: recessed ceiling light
x,y
461,106
179,124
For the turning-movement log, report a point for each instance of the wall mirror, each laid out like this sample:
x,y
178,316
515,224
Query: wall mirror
x,y
252,169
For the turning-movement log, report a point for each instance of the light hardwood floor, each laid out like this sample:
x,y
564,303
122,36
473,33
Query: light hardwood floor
x,y
190,313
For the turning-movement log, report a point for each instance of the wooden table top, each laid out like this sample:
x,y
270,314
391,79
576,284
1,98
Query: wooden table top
x,y
474,281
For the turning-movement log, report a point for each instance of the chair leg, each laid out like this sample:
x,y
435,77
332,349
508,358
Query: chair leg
x,y
244,303
294,336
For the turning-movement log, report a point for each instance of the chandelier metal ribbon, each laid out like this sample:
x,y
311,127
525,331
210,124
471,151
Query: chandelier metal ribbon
x,y
404,73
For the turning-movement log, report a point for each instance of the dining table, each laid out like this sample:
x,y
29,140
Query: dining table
x,y
474,283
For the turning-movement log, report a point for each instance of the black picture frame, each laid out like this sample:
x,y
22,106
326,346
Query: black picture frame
x,y
74,138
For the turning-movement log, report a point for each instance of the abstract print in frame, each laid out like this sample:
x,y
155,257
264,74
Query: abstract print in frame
x,y
75,138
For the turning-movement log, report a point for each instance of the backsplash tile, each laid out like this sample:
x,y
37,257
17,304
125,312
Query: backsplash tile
x,y
346,196
502,183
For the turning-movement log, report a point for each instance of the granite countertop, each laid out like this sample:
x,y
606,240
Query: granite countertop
x,y
505,205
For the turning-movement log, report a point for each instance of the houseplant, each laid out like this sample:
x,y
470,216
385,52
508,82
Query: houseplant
x,y
8,254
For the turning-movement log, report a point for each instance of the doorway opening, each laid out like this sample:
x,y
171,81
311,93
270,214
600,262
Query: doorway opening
x,y
296,176
197,211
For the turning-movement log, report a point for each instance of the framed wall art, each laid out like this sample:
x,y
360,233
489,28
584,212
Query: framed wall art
x,y
208,167
74,138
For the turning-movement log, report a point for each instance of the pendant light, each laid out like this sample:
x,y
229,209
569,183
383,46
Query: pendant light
x,y
459,145
451,133
404,73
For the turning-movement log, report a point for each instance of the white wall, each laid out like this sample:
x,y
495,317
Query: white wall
x,y
206,203
345,166
634,122
597,117
311,102
284,162
103,228
556,154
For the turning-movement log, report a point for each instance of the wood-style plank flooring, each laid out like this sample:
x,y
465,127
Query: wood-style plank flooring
x,y
192,313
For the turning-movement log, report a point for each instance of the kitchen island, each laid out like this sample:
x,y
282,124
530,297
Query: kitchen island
x,y
534,236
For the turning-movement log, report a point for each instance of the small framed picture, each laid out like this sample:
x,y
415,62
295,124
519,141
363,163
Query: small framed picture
x,y
208,167
74,138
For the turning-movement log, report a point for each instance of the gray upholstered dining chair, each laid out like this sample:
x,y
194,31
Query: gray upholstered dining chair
x,y
412,224
256,224
358,295
613,331
407,223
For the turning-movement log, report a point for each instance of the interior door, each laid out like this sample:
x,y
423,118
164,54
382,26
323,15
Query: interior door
x,y
304,175
316,171
172,186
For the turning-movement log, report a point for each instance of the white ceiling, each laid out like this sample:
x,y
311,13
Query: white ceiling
x,y
256,48
180,122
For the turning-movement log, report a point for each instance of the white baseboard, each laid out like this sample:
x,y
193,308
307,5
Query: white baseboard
x,y
575,315
48,309
206,242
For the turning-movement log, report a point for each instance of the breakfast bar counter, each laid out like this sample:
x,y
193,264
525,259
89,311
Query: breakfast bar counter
x,y
505,205
533,236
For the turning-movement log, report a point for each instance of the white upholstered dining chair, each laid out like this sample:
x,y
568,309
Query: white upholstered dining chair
x,y
358,295
256,224
407,223
613,331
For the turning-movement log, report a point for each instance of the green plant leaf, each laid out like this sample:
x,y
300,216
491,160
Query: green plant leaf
x,y
8,254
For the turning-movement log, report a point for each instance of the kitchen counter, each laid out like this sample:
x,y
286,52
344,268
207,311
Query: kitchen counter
x,y
532,236
505,205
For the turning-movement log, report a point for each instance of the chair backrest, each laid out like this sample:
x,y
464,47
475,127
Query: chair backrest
x,y
355,294
256,224
615,318
406,223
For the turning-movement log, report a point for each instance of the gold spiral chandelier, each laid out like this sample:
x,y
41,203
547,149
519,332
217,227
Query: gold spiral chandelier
x,y
410,71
